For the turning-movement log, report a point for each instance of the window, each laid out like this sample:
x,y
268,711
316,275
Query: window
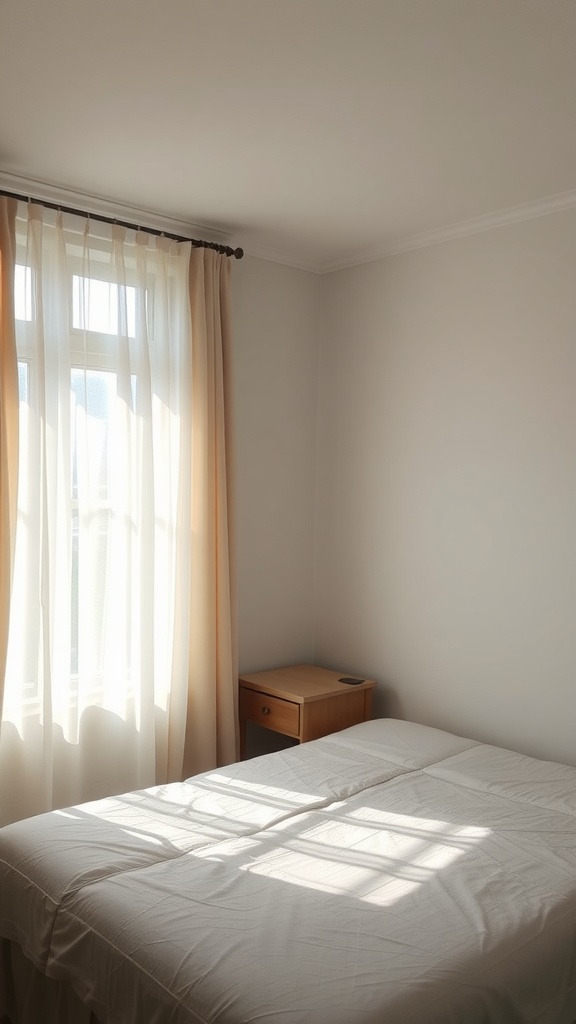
x,y
121,535
97,422
105,310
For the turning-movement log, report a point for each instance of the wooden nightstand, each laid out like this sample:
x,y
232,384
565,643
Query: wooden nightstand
x,y
302,701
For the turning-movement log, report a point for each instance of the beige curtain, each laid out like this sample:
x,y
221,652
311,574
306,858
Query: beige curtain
x,y
211,734
8,422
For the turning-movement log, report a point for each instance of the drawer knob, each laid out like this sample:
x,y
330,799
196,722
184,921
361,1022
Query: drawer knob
x,y
265,710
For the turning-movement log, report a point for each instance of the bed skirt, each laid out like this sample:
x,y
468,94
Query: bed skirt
x,y
27,996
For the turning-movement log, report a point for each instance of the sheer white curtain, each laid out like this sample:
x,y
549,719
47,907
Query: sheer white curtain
x,y
96,685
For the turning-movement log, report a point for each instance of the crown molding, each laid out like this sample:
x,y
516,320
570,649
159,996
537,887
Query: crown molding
x,y
161,222
85,203
475,225
287,259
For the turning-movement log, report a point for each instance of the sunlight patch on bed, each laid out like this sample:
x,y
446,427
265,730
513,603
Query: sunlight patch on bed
x,y
207,809
263,790
379,867
144,837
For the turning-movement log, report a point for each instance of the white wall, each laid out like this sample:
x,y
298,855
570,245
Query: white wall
x,y
276,353
446,488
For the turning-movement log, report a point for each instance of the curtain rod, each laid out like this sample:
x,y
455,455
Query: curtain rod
x,y
198,243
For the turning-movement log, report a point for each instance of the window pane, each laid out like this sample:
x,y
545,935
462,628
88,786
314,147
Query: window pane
x,y
93,392
22,292
23,382
103,307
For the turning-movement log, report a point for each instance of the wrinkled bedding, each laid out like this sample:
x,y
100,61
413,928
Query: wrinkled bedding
x,y
388,873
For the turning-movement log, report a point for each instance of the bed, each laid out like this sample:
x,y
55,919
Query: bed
x,y
387,874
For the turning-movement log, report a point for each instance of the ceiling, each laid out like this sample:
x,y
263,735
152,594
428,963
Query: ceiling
x,y
320,133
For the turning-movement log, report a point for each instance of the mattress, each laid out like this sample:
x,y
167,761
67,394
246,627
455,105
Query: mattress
x,y
388,873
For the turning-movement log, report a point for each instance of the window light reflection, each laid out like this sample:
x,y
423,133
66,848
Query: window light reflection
x,y
377,862
262,789
378,866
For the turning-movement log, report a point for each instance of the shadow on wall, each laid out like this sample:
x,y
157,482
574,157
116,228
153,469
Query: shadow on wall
x,y
41,770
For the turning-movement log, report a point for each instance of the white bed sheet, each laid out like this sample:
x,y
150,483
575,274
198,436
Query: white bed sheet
x,y
46,858
388,873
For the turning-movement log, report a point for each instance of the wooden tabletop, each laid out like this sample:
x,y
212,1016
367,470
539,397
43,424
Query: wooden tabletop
x,y
302,683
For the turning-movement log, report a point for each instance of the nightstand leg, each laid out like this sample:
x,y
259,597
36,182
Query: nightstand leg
x,y
242,738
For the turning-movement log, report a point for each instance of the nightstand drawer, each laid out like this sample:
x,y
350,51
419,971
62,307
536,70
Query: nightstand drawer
x,y
271,712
